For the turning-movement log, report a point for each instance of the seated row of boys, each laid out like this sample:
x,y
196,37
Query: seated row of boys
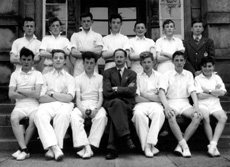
x,y
119,95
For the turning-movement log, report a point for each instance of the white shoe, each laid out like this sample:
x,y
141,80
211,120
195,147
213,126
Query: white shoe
x,y
81,152
154,150
23,156
88,152
16,154
186,153
217,153
49,154
58,154
178,150
211,150
148,152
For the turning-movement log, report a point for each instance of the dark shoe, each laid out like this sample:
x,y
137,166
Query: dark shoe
x,y
111,155
130,144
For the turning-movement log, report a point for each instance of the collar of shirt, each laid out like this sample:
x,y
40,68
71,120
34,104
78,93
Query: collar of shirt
x,y
144,74
194,37
28,73
55,37
94,74
34,37
122,70
176,73
55,72
138,38
117,34
90,30
165,38
202,75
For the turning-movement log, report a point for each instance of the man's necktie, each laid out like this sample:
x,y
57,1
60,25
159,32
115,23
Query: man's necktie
x,y
197,39
119,74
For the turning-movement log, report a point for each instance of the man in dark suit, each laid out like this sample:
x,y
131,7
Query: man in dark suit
x,y
197,47
119,88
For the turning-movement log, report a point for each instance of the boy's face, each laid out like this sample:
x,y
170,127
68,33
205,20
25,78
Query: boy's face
x,y
120,59
207,69
140,30
55,28
147,64
26,62
179,62
29,28
197,29
169,29
89,65
86,23
58,60
115,25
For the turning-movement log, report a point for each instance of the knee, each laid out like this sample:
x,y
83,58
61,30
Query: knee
x,y
138,115
223,119
206,119
196,120
14,120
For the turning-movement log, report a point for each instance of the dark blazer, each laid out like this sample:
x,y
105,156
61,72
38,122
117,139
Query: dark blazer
x,y
124,92
195,52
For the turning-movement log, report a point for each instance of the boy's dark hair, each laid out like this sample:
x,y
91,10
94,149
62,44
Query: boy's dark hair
x,y
196,21
120,50
167,22
86,15
28,19
178,53
89,55
54,19
144,55
139,23
207,59
58,51
115,16
26,52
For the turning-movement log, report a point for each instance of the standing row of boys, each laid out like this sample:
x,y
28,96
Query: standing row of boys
x,y
120,94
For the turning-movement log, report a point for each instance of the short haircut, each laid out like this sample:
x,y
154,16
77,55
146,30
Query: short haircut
x,y
58,51
28,19
120,50
115,16
86,15
26,52
146,54
89,55
178,53
194,21
167,22
139,23
207,59
54,19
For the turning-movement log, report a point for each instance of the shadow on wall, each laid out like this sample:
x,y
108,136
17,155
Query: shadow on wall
x,y
5,71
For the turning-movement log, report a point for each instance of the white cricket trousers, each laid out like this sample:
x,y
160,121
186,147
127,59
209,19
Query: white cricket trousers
x,y
99,122
141,115
59,112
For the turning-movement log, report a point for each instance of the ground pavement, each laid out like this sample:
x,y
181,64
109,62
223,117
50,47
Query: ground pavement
x,y
164,159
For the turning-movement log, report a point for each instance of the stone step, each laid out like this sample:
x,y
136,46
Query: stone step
x,y
5,119
224,142
8,144
6,108
6,132
226,129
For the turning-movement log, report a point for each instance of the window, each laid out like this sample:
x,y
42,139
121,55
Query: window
x,y
172,9
55,8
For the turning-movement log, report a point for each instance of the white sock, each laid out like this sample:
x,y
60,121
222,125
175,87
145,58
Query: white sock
x,y
214,143
183,144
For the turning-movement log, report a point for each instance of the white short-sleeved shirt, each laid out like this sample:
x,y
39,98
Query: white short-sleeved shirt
x,y
169,46
61,42
139,45
18,44
86,41
89,88
177,86
146,84
61,82
112,42
27,81
209,83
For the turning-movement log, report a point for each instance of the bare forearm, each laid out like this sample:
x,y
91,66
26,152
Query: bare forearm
x,y
66,98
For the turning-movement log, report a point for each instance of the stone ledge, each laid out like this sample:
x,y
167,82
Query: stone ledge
x,y
218,18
